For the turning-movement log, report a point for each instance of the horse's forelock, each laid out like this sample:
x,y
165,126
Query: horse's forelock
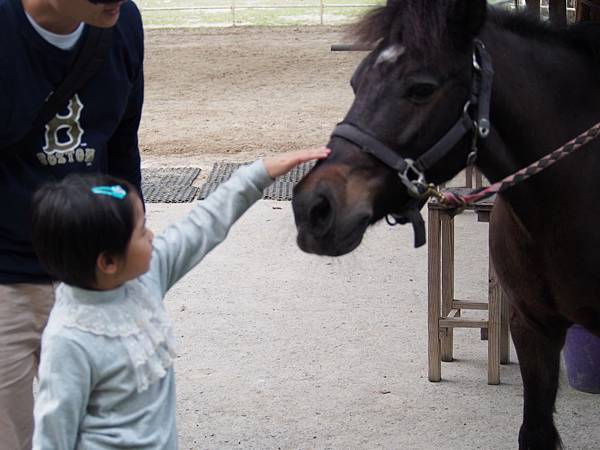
x,y
419,25
375,25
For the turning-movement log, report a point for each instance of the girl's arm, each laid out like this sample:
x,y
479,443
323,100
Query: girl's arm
x,y
183,245
65,379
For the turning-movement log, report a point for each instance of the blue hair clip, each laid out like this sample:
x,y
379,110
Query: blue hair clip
x,y
115,191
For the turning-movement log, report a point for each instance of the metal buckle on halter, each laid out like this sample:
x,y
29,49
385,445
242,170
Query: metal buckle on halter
x,y
473,153
476,65
483,128
416,187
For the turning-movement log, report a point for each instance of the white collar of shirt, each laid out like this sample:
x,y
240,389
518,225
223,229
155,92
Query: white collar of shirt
x,y
62,41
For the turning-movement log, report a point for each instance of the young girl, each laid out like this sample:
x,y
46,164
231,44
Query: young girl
x,y
106,376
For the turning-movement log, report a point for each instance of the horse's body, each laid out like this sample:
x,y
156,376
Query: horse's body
x,y
545,232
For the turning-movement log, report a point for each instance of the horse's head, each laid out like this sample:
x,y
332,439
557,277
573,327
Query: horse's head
x,y
413,88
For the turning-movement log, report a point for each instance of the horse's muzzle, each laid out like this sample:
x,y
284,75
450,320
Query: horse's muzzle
x,y
322,226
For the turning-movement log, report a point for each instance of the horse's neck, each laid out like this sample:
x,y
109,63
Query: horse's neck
x,y
543,96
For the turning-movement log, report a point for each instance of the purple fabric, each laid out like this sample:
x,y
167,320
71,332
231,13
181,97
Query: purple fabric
x,y
582,359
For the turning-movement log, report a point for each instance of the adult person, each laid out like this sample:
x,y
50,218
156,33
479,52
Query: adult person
x,y
94,131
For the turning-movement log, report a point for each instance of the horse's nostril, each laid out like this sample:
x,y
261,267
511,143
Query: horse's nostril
x,y
320,215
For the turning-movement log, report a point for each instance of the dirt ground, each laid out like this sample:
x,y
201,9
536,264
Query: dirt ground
x,y
214,94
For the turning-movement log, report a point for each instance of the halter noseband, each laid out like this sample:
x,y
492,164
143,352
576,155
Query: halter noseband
x,y
412,173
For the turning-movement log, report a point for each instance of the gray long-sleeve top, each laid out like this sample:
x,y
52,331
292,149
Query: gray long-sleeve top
x,y
106,373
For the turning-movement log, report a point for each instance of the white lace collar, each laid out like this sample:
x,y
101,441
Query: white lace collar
x,y
129,313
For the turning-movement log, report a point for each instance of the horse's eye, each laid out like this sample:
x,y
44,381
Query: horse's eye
x,y
420,92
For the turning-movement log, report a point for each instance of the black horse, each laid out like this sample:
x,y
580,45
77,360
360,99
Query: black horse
x,y
429,73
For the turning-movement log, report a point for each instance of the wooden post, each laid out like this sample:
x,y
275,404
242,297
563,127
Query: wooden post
x,y
579,13
533,7
322,11
434,295
587,10
557,11
447,269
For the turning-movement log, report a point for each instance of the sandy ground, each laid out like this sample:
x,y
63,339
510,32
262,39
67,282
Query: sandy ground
x,y
279,349
284,350
236,94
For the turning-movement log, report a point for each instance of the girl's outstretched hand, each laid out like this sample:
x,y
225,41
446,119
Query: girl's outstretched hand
x,y
282,164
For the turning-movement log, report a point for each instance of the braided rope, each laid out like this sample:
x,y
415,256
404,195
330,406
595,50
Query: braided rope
x,y
454,200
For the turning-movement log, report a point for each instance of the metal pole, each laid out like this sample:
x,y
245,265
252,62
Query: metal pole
x,y
322,10
350,48
233,12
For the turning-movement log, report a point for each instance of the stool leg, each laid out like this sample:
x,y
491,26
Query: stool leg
x,y
469,176
478,178
434,295
447,269
494,319
504,331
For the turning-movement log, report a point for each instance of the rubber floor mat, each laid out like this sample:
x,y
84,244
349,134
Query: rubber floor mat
x,y
169,185
281,189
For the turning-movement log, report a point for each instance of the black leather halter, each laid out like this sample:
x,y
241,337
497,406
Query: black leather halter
x,y
412,173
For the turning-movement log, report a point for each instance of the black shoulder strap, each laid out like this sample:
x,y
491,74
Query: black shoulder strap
x,y
87,62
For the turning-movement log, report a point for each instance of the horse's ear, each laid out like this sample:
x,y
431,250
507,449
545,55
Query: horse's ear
x,y
466,19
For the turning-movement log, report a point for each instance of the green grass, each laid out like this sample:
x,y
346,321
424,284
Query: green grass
x,y
250,12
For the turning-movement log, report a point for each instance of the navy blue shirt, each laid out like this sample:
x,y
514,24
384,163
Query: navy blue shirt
x,y
96,131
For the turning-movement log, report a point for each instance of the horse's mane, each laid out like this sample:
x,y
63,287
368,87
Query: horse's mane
x,y
581,37
586,37
415,22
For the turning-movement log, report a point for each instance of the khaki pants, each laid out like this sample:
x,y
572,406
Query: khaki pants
x,y
24,310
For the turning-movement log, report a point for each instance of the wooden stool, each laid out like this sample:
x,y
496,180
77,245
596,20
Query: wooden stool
x,y
444,311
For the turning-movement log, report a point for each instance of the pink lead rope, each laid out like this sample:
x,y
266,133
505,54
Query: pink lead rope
x,y
454,200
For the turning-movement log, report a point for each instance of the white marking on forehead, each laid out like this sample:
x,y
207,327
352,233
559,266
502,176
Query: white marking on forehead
x,y
390,54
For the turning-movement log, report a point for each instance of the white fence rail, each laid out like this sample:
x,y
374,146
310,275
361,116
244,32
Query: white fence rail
x,y
233,8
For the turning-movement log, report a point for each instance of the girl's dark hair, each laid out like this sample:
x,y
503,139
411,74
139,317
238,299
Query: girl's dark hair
x,y
72,226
